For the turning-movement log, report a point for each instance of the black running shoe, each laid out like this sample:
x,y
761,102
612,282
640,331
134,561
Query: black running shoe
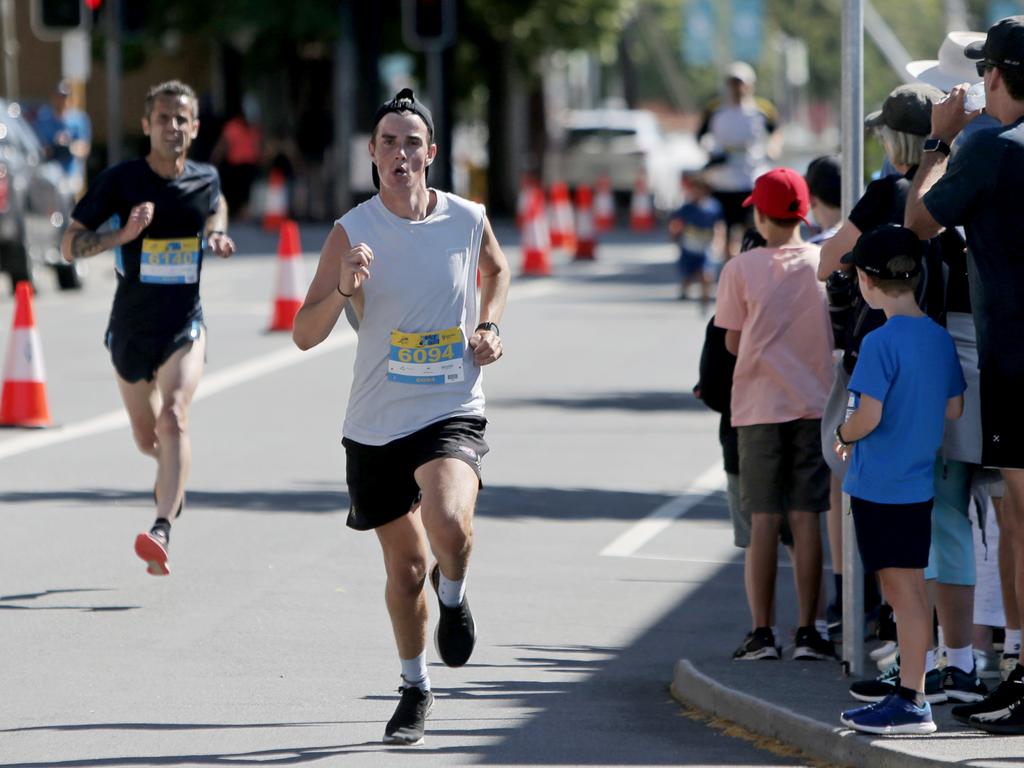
x,y
998,701
886,623
455,635
888,683
757,646
963,686
406,726
810,645
1008,719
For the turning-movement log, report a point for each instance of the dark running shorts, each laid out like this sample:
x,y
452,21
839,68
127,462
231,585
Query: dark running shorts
x,y
381,482
782,468
733,210
1002,420
892,535
138,356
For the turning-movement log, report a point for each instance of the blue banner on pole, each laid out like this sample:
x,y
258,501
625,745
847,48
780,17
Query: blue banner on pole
x,y
700,32
747,29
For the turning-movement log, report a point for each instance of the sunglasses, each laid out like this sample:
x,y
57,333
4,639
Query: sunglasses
x,y
983,67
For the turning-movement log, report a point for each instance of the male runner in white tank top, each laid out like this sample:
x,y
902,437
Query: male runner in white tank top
x,y
404,265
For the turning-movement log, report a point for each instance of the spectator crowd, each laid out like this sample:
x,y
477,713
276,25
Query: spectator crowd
x,y
869,365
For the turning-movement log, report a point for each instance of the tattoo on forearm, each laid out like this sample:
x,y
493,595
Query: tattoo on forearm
x,y
85,242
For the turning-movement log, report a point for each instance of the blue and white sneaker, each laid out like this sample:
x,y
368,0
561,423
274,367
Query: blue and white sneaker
x,y
891,716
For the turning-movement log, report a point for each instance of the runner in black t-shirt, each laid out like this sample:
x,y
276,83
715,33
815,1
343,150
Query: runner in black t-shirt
x,y
164,211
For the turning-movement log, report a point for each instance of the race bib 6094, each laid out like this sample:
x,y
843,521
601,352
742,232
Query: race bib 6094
x,y
434,357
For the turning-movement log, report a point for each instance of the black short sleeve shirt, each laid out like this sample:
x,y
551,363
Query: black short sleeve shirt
x,y
158,272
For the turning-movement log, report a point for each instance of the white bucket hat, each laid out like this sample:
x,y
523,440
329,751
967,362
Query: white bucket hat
x,y
952,67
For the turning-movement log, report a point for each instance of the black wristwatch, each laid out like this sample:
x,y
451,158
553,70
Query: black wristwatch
x,y
932,144
489,326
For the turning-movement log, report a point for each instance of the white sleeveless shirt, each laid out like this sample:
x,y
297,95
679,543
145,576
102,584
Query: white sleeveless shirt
x,y
413,364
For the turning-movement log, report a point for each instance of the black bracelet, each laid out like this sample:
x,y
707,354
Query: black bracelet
x,y
489,326
346,295
216,232
839,436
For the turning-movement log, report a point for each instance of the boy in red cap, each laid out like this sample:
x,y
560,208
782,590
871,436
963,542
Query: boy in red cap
x,y
775,314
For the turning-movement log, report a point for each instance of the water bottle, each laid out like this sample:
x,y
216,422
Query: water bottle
x,y
974,99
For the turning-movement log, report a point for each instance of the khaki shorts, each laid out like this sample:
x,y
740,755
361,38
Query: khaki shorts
x,y
782,468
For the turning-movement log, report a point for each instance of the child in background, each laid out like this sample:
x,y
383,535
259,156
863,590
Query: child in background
x,y
699,229
906,382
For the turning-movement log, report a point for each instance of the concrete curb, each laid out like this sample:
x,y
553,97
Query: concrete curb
x,y
834,744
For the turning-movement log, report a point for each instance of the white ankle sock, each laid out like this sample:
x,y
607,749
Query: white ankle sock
x,y
451,592
414,671
822,626
1011,644
961,658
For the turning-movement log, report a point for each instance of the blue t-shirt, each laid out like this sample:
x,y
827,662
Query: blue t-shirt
x,y
76,122
699,219
981,190
909,365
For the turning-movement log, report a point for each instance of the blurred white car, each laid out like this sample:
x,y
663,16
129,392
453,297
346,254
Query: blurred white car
x,y
621,144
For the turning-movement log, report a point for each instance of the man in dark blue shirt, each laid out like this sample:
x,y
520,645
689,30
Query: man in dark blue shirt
x,y
164,211
981,189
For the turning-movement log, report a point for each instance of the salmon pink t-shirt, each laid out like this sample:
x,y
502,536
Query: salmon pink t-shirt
x,y
784,365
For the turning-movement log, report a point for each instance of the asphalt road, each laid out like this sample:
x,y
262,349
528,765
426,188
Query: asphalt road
x,y
596,550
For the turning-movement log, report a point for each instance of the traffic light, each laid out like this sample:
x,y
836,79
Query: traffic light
x,y
52,19
428,25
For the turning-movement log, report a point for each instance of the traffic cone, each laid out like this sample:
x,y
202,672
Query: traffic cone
x,y
536,238
641,210
526,186
563,231
275,207
585,233
291,284
604,206
23,401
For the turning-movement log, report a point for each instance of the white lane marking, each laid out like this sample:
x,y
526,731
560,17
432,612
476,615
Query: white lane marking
x,y
210,385
641,532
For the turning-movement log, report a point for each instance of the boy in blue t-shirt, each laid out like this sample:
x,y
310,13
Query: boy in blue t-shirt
x,y
907,382
699,229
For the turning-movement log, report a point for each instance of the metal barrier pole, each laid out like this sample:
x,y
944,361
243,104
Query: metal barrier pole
x,y
852,130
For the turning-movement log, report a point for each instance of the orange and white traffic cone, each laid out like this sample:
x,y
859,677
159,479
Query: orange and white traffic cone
x,y
536,238
526,186
585,231
291,285
641,209
604,206
23,400
275,207
563,231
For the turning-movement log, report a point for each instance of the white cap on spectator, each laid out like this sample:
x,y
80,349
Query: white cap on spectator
x,y
740,70
952,67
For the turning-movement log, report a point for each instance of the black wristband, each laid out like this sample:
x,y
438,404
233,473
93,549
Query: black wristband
x,y
489,326
839,436
346,295
216,232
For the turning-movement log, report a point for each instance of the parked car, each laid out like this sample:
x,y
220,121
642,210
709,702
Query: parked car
x,y
621,144
35,204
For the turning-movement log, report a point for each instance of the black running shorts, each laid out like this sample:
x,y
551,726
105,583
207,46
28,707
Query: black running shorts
x,y
381,478
137,356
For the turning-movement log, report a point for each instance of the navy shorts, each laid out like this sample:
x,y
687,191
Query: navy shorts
x,y
892,535
381,478
1002,419
137,356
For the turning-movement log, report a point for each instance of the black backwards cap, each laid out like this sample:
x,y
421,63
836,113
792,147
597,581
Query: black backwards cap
x,y
404,101
876,247
1003,45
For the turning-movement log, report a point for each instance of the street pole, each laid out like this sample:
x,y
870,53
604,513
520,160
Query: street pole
x,y
852,129
112,19
344,108
10,43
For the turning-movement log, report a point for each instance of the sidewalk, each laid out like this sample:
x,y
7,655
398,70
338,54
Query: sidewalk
x,y
798,703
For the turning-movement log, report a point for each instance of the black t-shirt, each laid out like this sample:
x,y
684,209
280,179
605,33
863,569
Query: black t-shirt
x,y
157,291
982,189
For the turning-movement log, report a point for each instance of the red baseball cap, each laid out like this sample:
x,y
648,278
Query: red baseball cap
x,y
782,194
